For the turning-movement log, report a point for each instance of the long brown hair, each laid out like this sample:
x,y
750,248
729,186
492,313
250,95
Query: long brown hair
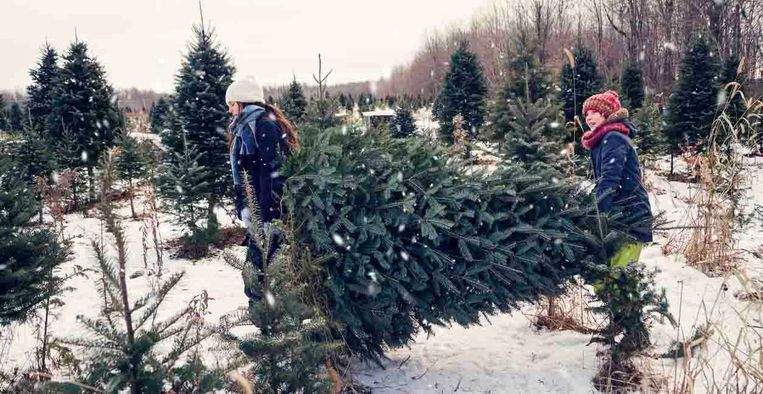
x,y
292,141
285,125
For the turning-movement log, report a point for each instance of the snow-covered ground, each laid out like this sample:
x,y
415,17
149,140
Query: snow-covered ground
x,y
505,355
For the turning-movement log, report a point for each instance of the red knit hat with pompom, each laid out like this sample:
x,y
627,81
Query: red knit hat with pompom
x,y
605,103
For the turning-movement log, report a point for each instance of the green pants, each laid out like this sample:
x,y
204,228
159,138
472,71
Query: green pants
x,y
627,254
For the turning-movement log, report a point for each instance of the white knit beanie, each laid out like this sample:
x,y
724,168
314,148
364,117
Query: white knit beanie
x,y
245,90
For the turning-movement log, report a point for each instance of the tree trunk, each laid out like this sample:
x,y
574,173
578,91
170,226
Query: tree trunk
x,y
671,162
91,181
129,191
44,352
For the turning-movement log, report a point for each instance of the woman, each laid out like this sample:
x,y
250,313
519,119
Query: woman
x,y
617,171
260,139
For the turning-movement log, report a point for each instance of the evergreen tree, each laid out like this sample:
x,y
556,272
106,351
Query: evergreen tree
x,y
735,108
159,113
16,117
692,105
579,81
350,103
82,104
130,164
202,112
535,133
294,103
270,100
182,181
632,85
40,93
3,114
121,345
650,138
37,156
342,100
403,124
499,115
68,156
527,78
463,92
28,255
295,337
416,238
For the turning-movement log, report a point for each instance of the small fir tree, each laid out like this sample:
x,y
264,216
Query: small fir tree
x,y
323,107
403,124
535,133
130,165
16,117
463,93
82,104
3,114
202,112
182,182
41,92
28,254
649,138
692,105
121,349
37,156
632,86
580,80
528,79
295,338
294,103
159,114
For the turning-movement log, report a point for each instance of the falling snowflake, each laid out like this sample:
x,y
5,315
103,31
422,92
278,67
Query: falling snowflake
x,y
405,256
270,299
83,156
721,99
337,239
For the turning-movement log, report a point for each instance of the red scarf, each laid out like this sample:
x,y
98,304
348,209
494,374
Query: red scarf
x,y
593,137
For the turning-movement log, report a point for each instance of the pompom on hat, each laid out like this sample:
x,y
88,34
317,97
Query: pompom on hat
x,y
606,103
245,90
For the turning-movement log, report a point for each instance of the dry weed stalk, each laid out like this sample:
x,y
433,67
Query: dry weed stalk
x,y
570,311
722,174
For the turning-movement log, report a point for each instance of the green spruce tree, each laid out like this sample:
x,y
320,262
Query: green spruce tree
x,y
693,103
535,132
579,81
121,345
732,98
403,124
649,138
293,102
632,87
159,114
528,79
28,254
40,93
182,182
130,165
417,238
3,114
83,105
16,117
463,93
202,112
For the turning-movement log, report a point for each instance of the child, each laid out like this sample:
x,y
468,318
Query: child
x,y
617,171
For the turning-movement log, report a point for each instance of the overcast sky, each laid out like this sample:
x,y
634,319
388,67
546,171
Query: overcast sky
x,y
140,42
